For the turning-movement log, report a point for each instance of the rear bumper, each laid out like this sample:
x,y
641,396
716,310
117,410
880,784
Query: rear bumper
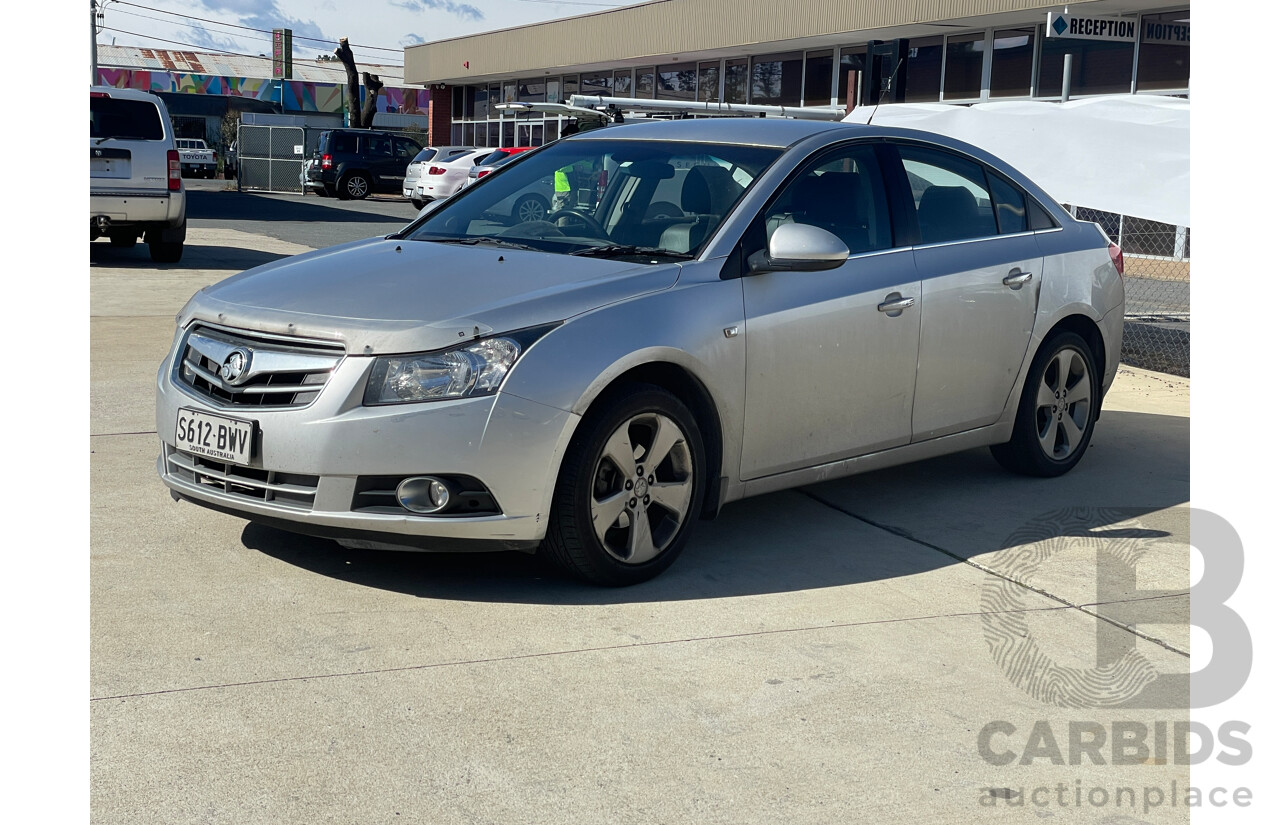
x,y
145,206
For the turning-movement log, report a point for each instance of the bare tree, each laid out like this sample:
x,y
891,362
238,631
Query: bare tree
x,y
361,117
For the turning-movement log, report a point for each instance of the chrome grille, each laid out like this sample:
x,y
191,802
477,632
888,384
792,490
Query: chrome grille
x,y
286,489
278,372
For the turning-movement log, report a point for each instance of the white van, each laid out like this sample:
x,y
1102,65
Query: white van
x,y
135,174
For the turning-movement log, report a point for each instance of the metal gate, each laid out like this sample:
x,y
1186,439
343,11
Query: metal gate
x,y
271,158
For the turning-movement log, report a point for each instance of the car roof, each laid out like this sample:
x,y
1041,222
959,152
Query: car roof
x,y
126,94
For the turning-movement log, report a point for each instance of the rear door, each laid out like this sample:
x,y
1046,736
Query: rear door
x,y
979,288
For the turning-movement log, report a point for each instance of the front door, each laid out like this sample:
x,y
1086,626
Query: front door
x,y
831,356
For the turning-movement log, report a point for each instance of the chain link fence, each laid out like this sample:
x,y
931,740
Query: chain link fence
x,y
1157,281
274,158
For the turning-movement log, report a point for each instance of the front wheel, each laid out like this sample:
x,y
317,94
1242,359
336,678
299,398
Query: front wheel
x,y
530,208
628,490
1056,412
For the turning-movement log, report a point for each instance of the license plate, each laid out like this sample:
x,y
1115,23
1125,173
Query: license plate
x,y
216,436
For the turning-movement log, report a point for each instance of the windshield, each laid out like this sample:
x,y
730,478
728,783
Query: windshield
x,y
615,198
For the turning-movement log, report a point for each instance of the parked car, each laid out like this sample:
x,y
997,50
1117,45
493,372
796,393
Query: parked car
x,y
490,162
442,178
197,158
230,163
419,164
739,307
532,203
354,163
135,173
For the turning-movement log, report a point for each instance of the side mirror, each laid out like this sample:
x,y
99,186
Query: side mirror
x,y
800,247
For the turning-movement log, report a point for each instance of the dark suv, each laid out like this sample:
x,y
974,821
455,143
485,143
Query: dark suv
x,y
352,163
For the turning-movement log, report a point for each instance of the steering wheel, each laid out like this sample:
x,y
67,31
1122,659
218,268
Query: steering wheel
x,y
581,216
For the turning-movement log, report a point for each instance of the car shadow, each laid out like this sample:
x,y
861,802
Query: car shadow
x,y
194,256
252,206
881,525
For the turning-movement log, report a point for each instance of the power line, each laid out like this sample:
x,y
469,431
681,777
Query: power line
x,y
250,28
224,51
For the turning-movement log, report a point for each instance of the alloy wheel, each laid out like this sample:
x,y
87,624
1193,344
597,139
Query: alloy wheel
x,y
642,488
1063,404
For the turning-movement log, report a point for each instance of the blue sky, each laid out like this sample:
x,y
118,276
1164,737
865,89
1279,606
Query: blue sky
x,y
388,24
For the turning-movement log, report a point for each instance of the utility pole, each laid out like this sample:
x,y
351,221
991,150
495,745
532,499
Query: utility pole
x,y
93,42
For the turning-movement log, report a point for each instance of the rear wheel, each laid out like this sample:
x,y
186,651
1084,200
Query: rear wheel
x,y
354,186
628,489
165,252
1056,412
418,204
530,208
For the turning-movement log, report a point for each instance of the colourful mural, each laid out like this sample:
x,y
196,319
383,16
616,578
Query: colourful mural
x,y
293,95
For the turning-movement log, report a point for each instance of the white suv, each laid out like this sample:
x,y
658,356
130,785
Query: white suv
x,y
135,174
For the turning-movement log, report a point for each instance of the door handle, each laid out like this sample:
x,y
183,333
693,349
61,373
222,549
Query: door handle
x,y
1016,278
894,303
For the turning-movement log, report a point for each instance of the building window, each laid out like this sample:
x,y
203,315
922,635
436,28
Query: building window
x,y
921,72
532,91
1012,58
553,91
1098,67
644,83
735,81
509,92
965,53
622,83
1164,53
853,62
679,81
709,81
775,79
817,78
570,86
597,84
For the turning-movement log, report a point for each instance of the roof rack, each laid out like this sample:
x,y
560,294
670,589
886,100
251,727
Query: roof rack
x,y
705,108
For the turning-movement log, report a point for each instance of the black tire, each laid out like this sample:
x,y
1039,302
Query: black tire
x,y
123,240
417,204
165,252
1052,431
354,186
530,208
590,478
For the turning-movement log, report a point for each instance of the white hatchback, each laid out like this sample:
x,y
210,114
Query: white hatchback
x,y
440,180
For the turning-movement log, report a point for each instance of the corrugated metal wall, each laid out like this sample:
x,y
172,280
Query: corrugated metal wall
x,y
675,27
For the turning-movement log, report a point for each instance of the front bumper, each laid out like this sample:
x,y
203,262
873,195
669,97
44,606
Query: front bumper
x,y
510,444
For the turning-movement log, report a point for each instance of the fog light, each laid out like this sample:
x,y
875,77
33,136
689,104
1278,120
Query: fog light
x,y
423,494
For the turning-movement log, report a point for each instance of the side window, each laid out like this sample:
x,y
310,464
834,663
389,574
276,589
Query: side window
x,y
1011,205
841,192
342,143
950,195
406,149
378,145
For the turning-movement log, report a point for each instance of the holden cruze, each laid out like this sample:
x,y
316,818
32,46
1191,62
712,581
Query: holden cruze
x,y
713,310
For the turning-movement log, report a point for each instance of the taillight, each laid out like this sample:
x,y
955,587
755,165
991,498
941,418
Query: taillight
x,y
483,172
436,170
215,155
1117,257
175,171
326,161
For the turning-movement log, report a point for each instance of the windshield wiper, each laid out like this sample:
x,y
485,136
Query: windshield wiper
x,y
616,250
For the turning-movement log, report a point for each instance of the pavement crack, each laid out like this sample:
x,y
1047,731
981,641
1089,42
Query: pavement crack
x,y
572,651
904,534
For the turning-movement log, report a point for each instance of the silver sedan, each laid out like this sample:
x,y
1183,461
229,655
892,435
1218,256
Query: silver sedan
x,y
713,309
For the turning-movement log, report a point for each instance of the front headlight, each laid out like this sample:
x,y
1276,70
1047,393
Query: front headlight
x,y
472,370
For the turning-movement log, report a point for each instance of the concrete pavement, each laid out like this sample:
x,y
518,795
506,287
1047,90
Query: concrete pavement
x,y
817,655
